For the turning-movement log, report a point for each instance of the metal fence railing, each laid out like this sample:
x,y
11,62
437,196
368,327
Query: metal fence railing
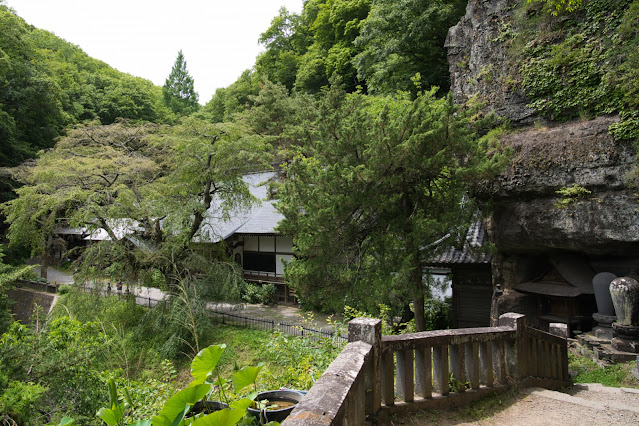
x,y
225,317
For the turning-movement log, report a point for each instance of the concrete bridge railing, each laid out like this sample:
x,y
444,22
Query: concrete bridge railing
x,y
376,376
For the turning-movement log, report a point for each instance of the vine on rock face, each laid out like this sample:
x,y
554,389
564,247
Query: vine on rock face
x,y
580,60
557,6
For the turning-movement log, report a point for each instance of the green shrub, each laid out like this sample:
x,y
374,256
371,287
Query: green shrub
x,y
585,370
259,293
20,403
64,289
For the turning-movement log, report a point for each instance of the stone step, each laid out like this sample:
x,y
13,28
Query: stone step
x,y
594,397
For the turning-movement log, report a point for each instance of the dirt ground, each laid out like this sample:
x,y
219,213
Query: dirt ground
x,y
586,404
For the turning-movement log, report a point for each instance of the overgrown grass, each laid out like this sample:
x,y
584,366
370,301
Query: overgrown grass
x,y
290,362
586,370
134,342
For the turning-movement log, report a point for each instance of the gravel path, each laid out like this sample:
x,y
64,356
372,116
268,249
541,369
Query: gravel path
x,y
584,404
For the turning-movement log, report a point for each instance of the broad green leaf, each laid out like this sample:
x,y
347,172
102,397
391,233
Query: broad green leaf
x,y
242,404
226,417
127,397
205,362
176,408
66,421
113,394
108,416
245,377
142,423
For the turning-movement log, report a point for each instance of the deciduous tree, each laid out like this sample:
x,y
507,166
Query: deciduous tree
x,y
148,187
400,39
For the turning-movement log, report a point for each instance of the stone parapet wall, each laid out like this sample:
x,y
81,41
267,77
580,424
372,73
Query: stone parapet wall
x,y
25,301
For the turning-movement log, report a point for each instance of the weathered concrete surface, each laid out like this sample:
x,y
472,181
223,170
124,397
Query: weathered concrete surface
x,y
329,400
25,301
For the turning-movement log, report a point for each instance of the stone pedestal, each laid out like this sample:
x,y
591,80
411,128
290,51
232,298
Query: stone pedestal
x,y
626,338
604,328
625,297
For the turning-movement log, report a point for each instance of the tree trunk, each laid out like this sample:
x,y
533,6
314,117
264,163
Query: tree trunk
x,y
47,258
417,284
420,319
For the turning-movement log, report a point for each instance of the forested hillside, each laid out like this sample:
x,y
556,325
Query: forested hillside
x,y
380,154
47,84
374,46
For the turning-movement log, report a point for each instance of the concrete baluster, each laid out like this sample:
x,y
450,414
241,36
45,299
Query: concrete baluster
x,y
423,372
405,375
457,363
388,379
487,375
472,364
369,330
440,369
499,361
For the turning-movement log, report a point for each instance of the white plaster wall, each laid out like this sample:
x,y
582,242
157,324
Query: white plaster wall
x,y
279,265
285,244
267,244
250,243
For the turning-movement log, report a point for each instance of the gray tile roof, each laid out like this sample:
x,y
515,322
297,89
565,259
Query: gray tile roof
x,y
470,253
260,219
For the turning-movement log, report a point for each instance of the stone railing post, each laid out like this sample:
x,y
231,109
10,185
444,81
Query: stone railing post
x,y
518,322
369,330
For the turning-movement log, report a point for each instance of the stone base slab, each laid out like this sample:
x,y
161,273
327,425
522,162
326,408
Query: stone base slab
x,y
603,350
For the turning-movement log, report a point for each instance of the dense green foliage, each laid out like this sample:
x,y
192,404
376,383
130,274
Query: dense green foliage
x,y
377,45
378,181
47,83
127,180
399,40
8,274
582,62
178,91
227,102
60,366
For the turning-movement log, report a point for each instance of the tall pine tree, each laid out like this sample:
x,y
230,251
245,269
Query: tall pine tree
x,y
178,91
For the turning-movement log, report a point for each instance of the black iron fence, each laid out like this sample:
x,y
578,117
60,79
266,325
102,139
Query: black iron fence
x,y
272,325
230,318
